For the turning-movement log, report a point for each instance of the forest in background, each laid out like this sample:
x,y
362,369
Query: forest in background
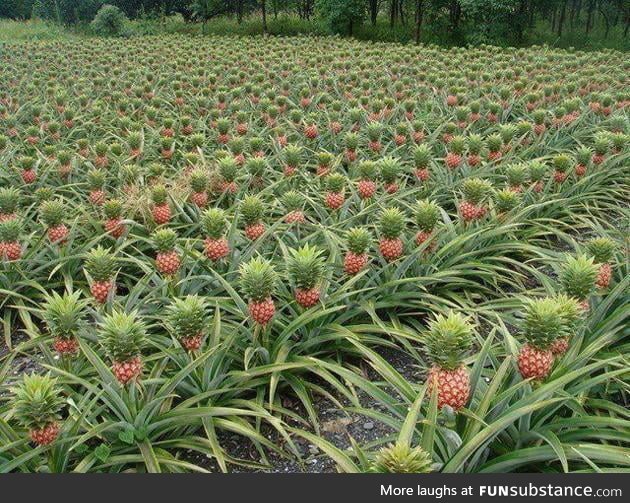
x,y
598,23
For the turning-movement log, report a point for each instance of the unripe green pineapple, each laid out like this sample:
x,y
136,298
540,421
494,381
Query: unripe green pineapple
x,y
305,266
427,215
251,210
186,320
577,276
101,264
64,315
401,458
214,222
392,223
258,279
122,335
602,249
37,403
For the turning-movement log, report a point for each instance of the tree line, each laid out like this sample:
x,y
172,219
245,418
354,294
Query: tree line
x,y
459,20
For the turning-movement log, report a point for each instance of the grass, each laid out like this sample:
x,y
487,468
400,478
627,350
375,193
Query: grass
x,y
11,31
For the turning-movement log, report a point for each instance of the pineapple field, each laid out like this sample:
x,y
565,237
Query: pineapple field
x,y
223,254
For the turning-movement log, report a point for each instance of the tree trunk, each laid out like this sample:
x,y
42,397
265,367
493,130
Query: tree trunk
x,y
606,21
263,7
274,7
563,13
239,11
578,11
419,16
393,13
589,15
455,12
401,6
553,20
373,11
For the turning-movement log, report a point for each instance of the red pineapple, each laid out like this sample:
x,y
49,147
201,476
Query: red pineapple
x,y
161,210
114,223
391,225
101,265
123,337
52,213
167,260
258,281
306,268
214,224
335,196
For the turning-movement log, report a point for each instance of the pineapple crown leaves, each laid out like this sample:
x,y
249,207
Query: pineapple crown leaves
x,y
252,209
223,125
26,163
494,142
506,200
537,170
422,156
37,401
164,240
96,179
457,145
570,311
543,322
539,116
390,169
427,214
448,339
368,170
52,212
159,194
101,264
325,158
228,168
113,208
602,249
256,166
335,182
305,266
358,240
292,200
475,190
351,141
214,222
583,155
577,276
199,180
601,144
516,174
258,279
374,131
401,458
392,222
561,162
9,200
10,231
292,155
122,335
475,144
64,315
186,317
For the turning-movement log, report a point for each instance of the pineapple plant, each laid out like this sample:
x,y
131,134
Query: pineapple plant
x,y
305,267
258,281
10,246
390,170
539,117
505,200
199,186
64,316
351,141
223,128
401,458
447,341
324,162
161,210
561,164
228,169
356,258
368,172
9,202
537,171
494,144
455,152
335,186
392,224
123,336
601,146
37,405
427,214
474,191
101,265
421,158
101,160
602,250
374,132
292,159
577,277
583,158
475,144
96,182
252,210
543,324
293,203
52,213
167,260
214,223
516,175
27,169
114,224
571,313
186,319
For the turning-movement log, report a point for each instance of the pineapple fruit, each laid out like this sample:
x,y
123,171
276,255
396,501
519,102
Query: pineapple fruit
x,y
214,224
305,266
101,265
368,172
161,211
392,224
335,185
114,225
167,260
186,319
577,277
10,246
356,258
427,215
602,250
447,341
123,337
293,203
252,212
52,213
258,281
64,316
474,191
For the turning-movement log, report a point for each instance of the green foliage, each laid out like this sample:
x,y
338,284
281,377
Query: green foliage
x,y
109,21
342,16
